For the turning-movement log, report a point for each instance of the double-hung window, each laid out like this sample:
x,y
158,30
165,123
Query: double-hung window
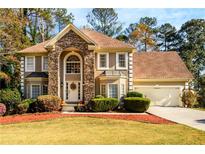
x,y
35,91
103,61
103,90
113,90
121,59
30,63
44,63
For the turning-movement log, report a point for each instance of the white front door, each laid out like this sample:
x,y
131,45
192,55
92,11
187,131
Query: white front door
x,y
72,91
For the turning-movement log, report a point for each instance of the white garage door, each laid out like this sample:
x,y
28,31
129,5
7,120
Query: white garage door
x,y
161,96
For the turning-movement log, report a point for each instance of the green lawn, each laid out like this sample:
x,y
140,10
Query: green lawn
x,y
85,130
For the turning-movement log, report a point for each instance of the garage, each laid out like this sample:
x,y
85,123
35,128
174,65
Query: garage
x,y
161,96
160,76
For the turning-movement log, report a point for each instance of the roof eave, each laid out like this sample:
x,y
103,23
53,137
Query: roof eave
x,y
163,79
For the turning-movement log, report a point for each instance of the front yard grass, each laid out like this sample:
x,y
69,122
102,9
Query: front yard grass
x,y
87,130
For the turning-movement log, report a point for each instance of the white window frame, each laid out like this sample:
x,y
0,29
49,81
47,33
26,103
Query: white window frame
x,y
117,61
107,61
34,64
31,94
42,64
105,89
109,89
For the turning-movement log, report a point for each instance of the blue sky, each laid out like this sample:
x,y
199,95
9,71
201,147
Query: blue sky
x,y
126,16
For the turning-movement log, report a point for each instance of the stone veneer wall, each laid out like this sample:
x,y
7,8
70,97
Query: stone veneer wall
x,y
71,39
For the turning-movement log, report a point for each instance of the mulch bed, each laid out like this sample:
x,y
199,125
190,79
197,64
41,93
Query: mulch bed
x,y
148,118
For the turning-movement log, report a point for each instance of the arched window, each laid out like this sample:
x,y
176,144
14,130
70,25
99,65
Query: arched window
x,y
73,65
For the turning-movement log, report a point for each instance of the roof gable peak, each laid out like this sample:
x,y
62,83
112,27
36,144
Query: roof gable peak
x,y
69,27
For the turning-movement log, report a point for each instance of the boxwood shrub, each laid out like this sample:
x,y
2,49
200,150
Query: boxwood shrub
x,y
134,94
48,103
103,104
11,98
136,104
23,107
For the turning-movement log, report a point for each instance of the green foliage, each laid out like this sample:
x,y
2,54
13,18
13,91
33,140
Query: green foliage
x,y
11,67
189,98
48,103
11,98
103,104
104,20
167,37
62,18
136,104
23,107
134,94
192,48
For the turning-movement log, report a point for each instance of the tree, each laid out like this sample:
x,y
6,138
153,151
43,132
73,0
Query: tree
x,y
166,37
192,46
41,23
142,34
62,18
104,20
12,37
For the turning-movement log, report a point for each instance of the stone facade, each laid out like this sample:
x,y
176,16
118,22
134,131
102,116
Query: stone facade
x,y
72,40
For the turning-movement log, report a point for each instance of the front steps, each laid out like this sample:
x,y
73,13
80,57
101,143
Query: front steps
x,y
68,107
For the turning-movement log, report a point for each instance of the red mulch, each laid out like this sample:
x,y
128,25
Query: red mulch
x,y
46,116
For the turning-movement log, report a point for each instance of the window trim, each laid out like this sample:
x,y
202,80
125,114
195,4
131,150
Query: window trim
x,y
42,64
103,84
31,94
76,62
107,61
109,89
34,64
117,61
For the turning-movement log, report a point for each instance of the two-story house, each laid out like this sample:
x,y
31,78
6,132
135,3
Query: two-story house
x,y
78,64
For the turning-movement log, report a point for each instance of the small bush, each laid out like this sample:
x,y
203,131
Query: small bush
x,y
23,107
11,98
189,98
99,96
134,94
136,104
2,109
103,104
48,103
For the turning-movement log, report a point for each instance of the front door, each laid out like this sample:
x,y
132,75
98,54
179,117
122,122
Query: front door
x,y
72,91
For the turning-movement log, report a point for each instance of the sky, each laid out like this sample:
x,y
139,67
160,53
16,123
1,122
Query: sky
x,y
174,16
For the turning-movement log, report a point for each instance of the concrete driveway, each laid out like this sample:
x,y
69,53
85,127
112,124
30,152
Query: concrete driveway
x,y
186,116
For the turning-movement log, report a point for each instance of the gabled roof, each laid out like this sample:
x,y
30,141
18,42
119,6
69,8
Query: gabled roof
x,y
38,48
99,40
104,41
159,65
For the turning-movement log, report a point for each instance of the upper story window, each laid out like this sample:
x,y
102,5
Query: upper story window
x,y
73,65
44,63
121,60
30,63
103,60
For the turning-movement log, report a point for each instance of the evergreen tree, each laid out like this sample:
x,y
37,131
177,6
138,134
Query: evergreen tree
x,y
104,20
166,37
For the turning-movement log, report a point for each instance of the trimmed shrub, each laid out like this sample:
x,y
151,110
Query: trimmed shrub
x,y
134,94
103,104
48,103
23,107
11,98
136,104
99,96
2,109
